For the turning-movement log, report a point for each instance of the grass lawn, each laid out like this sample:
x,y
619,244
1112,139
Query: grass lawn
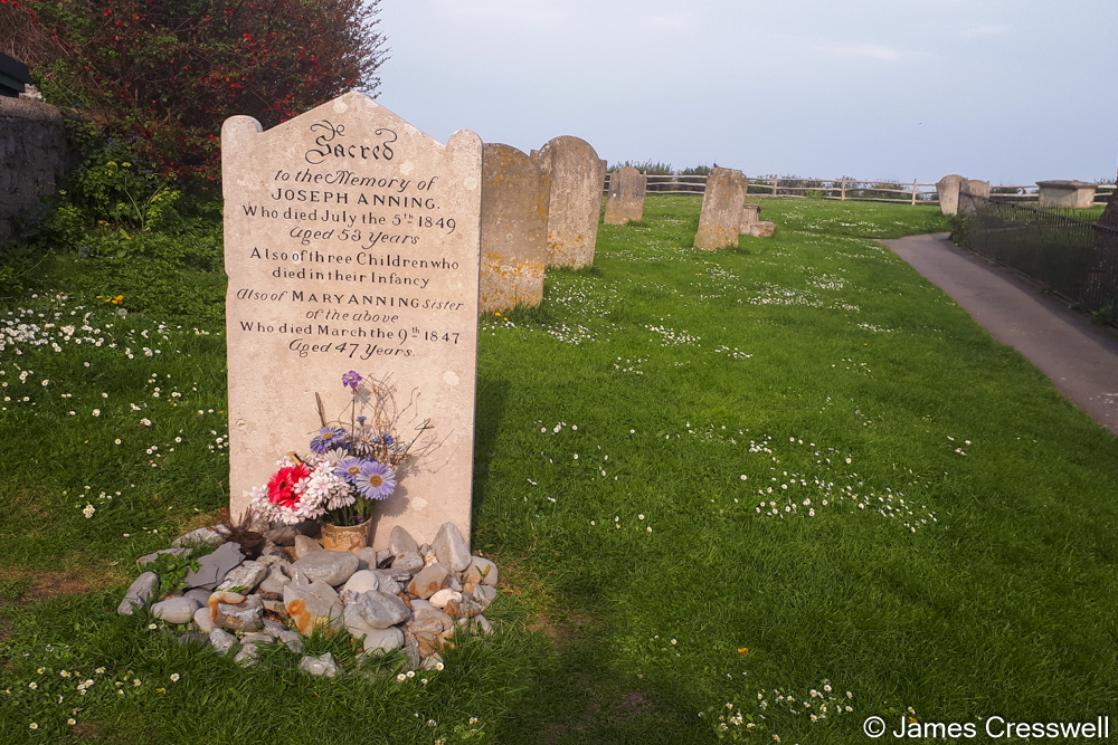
x,y
709,479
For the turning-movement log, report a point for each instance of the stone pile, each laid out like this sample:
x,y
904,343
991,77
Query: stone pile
x,y
409,596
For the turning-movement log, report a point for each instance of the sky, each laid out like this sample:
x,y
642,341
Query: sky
x,y
1011,92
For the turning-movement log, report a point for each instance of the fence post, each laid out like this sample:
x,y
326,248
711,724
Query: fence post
x,y
913,192
776,182
843,193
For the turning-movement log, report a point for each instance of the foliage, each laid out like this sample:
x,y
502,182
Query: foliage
x,y
166,74
655,168
173,568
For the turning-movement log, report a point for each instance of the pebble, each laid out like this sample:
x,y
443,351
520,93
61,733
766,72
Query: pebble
x,y
284,535
322,666
272,585
383,640
194,638
222,640
387,582
149,558
245,616
310,603
202,596
444,596
451,549
206,536
362,580
400,542
409,563
203,621
175,610
139,593
374,610
483,571
428,581
484,595
305,545
367,558
213,567
331,567
244,578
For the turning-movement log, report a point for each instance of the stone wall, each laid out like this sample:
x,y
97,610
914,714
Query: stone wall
x,y
33,158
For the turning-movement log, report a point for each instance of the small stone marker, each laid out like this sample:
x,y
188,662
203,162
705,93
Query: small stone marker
x,y
352,242
947,192
1065,194
575,200
969,191
514,198
720,220
626,196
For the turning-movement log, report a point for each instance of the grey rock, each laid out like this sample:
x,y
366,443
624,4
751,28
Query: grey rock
x,y
149,558
454,583
222,640
292,641
245,616
367,558
274,560
203,621
484,570
428,581
202,596
257,637
284,535
271,549
383,640
387,582
483,624
484,595
311,603
140,592
374,610
305,545
384,557
275,606
247,656
213,567
194,639
409,562
400,542
431,663
424,549
205,536
175,610
271,588
411,652
322,666
451,548
402,576
244,578
273,628
362,580
331,567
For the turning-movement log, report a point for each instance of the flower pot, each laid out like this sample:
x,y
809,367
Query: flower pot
x,y
347,537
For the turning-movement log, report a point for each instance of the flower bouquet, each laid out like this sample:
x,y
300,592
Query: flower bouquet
x,y
350,467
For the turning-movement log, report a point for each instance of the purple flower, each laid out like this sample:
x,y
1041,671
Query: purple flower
x,y
352,379
328,438
387,439
349,468
376,480
362,419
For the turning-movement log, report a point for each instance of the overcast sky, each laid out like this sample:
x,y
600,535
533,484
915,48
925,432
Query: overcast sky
x,y
1006,91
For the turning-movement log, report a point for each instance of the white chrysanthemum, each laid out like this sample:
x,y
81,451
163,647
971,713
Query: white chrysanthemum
x,y
327,490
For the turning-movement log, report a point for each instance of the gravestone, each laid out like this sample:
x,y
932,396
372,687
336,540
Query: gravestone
x,y
721,216
514,197
971,193
626,196
947,192
753,225
575,199
1065,194
351,242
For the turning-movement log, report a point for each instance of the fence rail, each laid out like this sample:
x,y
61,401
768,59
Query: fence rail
x,y
1068,254
876,190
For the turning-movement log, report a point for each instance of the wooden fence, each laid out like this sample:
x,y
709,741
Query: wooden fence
x,y
874,190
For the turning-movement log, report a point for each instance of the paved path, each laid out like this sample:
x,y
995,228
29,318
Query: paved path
x,y
1080,358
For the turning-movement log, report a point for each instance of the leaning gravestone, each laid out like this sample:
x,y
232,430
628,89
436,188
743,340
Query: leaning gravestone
x,y
575,200
351,242
626,196
947,192
720,220
971,192
514,197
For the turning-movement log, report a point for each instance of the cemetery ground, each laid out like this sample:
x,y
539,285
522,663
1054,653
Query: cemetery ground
x,y
790,486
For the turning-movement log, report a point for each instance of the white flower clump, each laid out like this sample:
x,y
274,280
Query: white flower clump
x,y
327,489
317,494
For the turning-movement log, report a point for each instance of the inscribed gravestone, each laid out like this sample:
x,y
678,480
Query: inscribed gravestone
x,y
351,242
575,200
514,197
626,196
947,192
720,220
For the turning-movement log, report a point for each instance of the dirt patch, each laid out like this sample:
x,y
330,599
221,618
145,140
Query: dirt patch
x,y
46,584
633,704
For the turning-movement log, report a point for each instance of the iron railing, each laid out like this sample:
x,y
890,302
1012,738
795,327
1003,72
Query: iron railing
x,y
1068,254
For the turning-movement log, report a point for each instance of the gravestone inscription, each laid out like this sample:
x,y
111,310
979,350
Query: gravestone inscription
x,y
351,242
514,198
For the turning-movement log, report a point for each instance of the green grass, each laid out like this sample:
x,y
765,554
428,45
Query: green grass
x,y
979,577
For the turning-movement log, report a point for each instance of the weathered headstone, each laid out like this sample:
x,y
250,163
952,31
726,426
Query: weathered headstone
x,y
971,192
721,216
753,225
947,192
351,242
575,201
514,198
1065,194
626,196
